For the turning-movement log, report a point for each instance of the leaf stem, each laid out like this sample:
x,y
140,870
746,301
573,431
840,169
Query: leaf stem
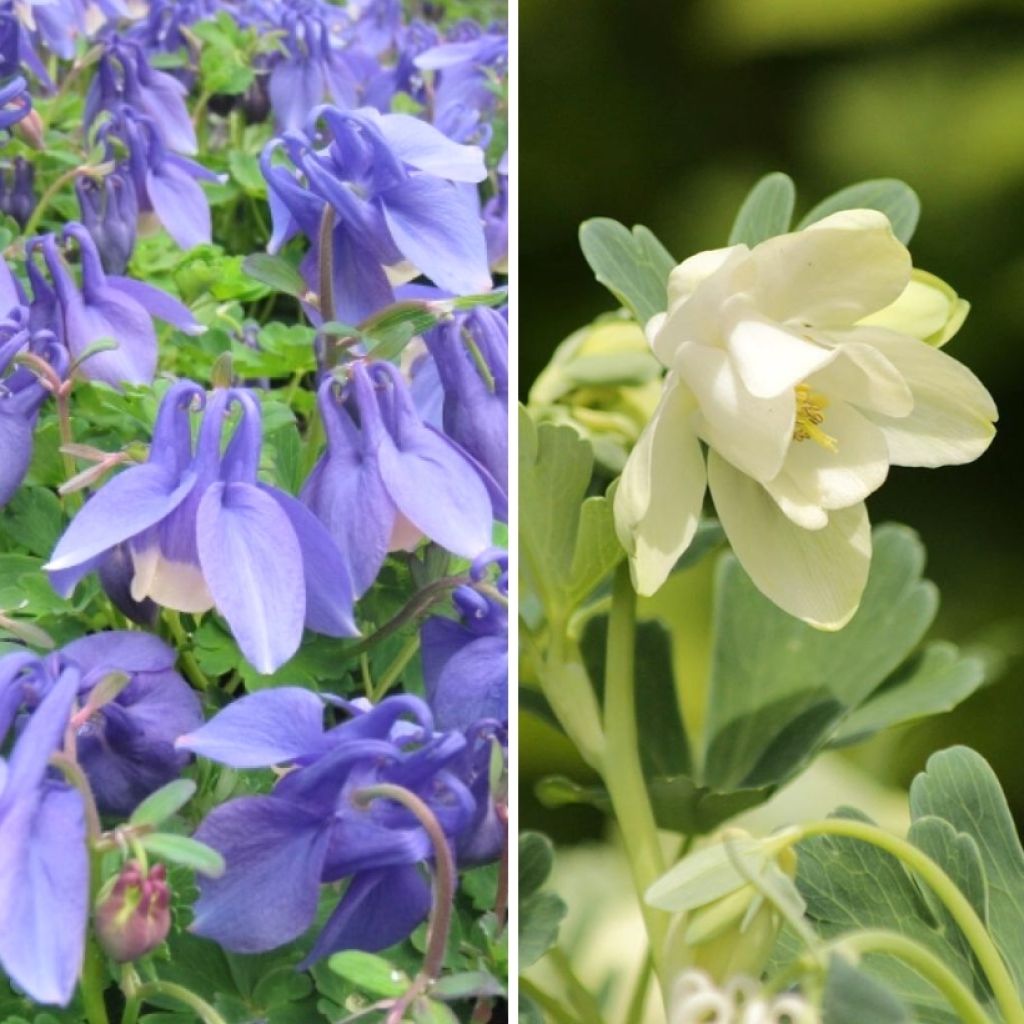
x,y
32,225
444,890
922,960
547,1002
136,996
184,645
622,771
581,998
959,907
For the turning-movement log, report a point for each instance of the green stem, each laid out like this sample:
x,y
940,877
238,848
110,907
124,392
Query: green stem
x,y
637,1002
959,907
622,772
94,968
417,605
581,998
137,996
32,226
551,1006
394,670
922,960
185,655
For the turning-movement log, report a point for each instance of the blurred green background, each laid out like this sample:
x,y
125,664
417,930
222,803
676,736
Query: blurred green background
x,y
665,113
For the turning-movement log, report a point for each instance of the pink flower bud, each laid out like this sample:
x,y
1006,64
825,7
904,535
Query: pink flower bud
x,y
133,914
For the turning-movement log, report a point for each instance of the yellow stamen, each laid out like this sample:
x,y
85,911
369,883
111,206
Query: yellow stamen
x,y
810,414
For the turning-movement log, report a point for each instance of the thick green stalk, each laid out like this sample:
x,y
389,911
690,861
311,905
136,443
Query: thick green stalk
x,y
622,771
959,907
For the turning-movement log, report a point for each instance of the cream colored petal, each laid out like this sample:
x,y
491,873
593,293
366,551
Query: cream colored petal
x,y
862,375
799,506
815,575
928,309
770,359
834,272
753,433
692,272
953,418
658,500
176,585
697,315
846,476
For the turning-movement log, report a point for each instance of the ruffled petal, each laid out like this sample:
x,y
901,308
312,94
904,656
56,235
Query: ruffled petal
x,y
814,575
658,501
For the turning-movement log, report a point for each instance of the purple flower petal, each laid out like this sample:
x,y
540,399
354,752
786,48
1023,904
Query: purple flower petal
x,y
43,915
158,303
130,503
265,728
15,452
120,650
437,226
329,593
111,316
296,86
378,909
180,205
268,896
422,146
252,563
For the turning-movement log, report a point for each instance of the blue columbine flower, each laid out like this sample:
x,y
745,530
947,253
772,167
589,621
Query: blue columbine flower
x,y
384,484
18,196
44,867
164,184
313,67
311,830
204,533
110,213
126,78
126,747
475,409
398,190
22,392
495,214
465,660
15,102
105,308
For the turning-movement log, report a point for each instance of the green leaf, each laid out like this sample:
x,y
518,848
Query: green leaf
x,y
958,786
536,859
166,801
780,688
245,169
33,520
189,853
767,211
540,917
276,272
370,973
568,543
936,680
853,997
467,985
429,1011
634,267
896,199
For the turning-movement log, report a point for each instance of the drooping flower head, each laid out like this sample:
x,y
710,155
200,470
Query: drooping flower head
x,y
105,308
397,189
386,479
15,102
18,193
313,829
164,184
125,77
22,391
470,351
204,533
110,213
782,360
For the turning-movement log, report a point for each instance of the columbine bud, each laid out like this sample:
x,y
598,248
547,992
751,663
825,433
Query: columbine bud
x,y
604,381
728,926
110,214
133,912
928,309
19,200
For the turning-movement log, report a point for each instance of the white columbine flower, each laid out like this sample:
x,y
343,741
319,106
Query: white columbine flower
x,y
800,365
